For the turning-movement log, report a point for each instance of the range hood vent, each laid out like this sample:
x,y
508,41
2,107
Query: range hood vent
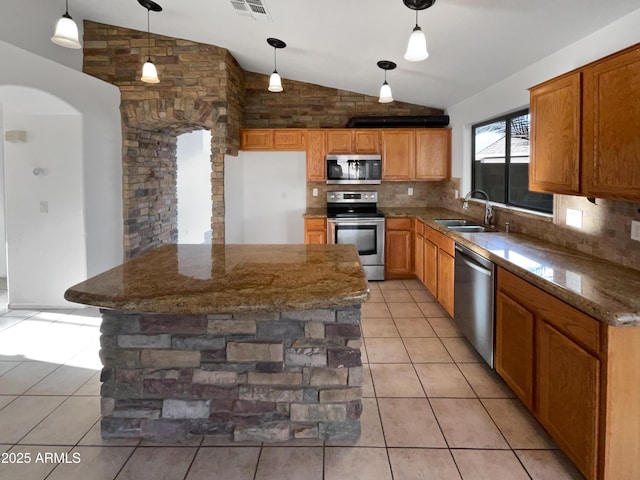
x,y
399,121
256,9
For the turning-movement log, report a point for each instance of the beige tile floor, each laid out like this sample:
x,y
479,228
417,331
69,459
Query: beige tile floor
x,y
432,410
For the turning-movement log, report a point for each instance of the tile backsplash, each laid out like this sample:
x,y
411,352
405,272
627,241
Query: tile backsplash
x,y
605,232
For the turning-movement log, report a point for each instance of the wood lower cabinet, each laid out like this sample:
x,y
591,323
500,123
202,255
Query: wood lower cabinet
x,y
398,248
315,231
418,249
446,273
584,130
567,394
514,347
578,376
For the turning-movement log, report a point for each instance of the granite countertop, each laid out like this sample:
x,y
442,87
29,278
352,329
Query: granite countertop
x,y
604,290
224,279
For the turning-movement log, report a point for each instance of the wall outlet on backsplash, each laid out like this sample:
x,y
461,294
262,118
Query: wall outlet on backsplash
x,y
315,192
410,191
635,230
574,218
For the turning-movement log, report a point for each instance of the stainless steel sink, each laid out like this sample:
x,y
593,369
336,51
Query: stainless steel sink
x,y
471,228
456,222
462,225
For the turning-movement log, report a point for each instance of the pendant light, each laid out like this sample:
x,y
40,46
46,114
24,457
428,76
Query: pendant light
x,y
66,34
417,46
275,82
149,72
385,89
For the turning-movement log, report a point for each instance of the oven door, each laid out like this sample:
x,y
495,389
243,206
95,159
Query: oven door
x,y
367,234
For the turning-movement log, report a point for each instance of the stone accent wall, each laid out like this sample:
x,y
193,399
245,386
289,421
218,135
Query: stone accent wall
x,y
263,377
305,105
201,87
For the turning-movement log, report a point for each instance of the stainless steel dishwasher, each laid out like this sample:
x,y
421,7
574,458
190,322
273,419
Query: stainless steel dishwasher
x,y
474,300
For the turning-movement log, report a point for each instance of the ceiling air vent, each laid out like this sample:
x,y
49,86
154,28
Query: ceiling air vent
x,y
255,9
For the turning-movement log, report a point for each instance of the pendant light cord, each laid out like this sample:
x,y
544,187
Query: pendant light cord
x,y
148,37
275,59
416,18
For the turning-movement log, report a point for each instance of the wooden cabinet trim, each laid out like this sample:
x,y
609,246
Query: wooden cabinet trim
x,y
441,240
400,223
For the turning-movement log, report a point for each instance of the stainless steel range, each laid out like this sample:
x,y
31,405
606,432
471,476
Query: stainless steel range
x,y
353,217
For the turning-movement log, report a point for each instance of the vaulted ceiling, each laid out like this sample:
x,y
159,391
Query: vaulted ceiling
x,y
336,43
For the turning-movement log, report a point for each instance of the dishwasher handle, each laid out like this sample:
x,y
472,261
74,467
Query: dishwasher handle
x,y
467,260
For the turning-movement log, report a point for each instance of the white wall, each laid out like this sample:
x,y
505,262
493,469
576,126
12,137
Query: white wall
x,y
46,245
273,191
29,80
233,199
511,94
194,187
3,238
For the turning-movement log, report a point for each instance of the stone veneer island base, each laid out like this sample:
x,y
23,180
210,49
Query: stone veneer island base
x,y
257,342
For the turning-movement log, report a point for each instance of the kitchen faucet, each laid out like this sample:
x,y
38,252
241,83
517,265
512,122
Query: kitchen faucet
x,y
488,213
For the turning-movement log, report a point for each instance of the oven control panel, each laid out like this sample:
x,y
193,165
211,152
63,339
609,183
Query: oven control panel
x,y
352,197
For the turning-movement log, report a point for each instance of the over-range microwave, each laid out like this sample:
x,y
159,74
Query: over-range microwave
x,y
350,169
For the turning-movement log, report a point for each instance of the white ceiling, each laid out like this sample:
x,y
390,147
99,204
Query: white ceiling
x,y
336,43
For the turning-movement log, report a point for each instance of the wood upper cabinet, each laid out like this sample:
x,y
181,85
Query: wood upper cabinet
x,y
316,162
398,248
255,139
555,135
281,139
315,231
584,130
611,127
433,154
350,140
398,154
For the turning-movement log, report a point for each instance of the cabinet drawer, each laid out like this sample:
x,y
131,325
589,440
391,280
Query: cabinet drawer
x,y
442,241
314,223
398,223
578,326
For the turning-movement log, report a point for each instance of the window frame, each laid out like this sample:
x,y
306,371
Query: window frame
x,y
507,119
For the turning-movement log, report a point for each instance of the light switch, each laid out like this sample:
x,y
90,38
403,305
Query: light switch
x,y
635,230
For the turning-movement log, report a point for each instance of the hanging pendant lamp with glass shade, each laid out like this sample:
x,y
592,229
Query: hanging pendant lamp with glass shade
x,y
275,82
149,72
385,89
417,45
66,33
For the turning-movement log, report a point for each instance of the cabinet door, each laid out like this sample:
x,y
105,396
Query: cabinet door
x,y
289,139
398,262
514,347
555,136
398,154
611,127
316,162
366,141
431,266
567,394
418,244
255,139
339,141
433,154
315,231
446,271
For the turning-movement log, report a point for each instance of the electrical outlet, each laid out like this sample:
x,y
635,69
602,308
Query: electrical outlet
x,y
315,192
574,218
410,191
635,230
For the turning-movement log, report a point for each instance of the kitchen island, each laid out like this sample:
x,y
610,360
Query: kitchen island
x,y
253,342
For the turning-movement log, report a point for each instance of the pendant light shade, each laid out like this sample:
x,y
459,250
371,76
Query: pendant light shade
x,y
417,45
66,33
275,82
149,71
385,89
